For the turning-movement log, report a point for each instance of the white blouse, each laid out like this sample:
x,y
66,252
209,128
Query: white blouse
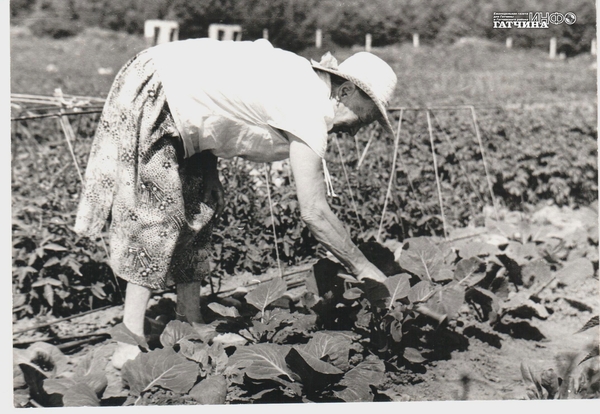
x,y
241,98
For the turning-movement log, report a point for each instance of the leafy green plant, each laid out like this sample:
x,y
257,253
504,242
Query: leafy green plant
x,y
54,271
564,384
337,341
571,380
594,347
54,382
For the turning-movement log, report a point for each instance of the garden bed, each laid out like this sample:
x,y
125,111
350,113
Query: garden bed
x,y
507,300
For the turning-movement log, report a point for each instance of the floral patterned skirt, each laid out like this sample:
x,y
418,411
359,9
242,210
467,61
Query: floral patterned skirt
x,y
137,180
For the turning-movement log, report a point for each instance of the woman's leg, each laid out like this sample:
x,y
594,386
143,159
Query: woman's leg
x,y
136,302
188,302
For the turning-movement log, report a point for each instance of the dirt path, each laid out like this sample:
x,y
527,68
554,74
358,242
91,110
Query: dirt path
x,y
492,370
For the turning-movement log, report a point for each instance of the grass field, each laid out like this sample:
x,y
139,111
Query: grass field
x,y
469,72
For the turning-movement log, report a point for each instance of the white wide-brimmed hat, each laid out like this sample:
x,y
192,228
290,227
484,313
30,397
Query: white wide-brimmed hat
x,y
370,73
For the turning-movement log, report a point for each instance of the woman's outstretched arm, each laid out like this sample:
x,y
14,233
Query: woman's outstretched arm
x,y
316,213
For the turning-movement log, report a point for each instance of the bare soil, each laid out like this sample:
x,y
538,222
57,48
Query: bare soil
x,y
489,369
485,365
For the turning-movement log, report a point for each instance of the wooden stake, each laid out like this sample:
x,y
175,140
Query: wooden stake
x,y
392,177
437,178
348,181
487,174
273,220
552,47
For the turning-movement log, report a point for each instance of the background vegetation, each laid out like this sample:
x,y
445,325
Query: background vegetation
x,y
292,23
543,152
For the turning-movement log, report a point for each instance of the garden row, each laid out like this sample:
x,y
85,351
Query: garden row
x,y
340,339
546,155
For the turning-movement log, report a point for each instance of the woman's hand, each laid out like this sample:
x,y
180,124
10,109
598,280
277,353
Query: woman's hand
x,y
213,192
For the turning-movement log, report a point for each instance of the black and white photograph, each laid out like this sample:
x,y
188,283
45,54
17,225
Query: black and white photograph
x,y
282,202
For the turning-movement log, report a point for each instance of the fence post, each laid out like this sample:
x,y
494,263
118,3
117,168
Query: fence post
x,y
553,48
157,32
415,39
318,39
593,50
368,40
225,31
509,42
266,34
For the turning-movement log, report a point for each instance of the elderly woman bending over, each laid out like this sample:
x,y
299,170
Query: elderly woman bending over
x,y
172,111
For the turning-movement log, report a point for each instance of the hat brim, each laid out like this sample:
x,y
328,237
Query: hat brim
x,y
384,120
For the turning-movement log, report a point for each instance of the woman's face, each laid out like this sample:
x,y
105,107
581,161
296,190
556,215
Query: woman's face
x,y
354,111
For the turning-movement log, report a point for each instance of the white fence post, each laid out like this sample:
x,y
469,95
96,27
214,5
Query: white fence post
x,y
593,50
225,32
266,34
415,39
160,31
368,40
509,42
318,39
553,48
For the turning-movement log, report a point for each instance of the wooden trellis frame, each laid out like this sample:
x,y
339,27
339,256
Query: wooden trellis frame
x,y
60,106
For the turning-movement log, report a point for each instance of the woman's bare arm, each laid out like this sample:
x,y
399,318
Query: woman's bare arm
x,y
316,213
